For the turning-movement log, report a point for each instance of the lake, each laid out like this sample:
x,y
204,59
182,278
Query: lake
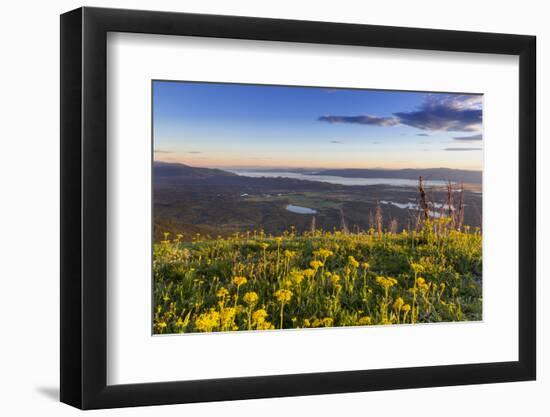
x,y
300,209
333,179
416,207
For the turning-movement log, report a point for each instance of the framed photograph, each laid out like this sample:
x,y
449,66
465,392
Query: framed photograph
x,y
258,208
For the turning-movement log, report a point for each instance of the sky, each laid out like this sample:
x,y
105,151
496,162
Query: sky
x,y
221,125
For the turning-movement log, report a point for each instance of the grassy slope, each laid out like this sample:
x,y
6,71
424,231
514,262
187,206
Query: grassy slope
x,y
315,280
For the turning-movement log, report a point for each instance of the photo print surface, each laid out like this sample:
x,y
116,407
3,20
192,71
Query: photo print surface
x,y
289,207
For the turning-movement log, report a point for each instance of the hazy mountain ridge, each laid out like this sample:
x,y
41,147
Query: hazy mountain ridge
x,y
441,174
181,175
175,171
165,170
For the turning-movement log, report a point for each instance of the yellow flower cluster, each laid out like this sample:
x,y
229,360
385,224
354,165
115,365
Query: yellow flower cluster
x,y
323,253
308,273
353,262
227,318
238,281
296,277
316,264
283,296
398,304
222,292
417,268
386,282
251,298
207,322
334,278
259,320
325,322
422,284
259,315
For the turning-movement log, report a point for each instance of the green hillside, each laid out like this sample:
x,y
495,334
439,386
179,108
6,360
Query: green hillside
x,y
322,279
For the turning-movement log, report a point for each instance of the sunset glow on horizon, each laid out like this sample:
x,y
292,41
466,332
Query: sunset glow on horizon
x,y
219,125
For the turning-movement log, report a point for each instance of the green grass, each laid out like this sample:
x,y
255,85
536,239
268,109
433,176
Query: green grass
x,y
321,279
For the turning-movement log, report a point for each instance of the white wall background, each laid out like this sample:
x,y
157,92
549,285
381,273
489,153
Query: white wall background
x,y
29,225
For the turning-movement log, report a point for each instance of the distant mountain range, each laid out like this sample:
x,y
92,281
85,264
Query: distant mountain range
x,y
179,175
174,172
440,174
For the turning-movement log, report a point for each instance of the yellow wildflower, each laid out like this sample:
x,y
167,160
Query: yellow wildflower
x,y
328,321
222,292
265,325
398,304
316,264
308,273
417,268
353,262
296,277
251,298
316,323
259,315
323,253
364,321
208,322
227,318
422,284
386,282
283,296
259,320
238,281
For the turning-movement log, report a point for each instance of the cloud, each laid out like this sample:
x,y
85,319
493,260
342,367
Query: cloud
x,y
335,141
360,120
456,113
194,152
162,151
422,134
461,149
438,112
469,138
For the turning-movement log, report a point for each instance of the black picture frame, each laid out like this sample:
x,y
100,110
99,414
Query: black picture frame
x,y
84,207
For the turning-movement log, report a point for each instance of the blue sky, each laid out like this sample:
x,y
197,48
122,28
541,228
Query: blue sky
x,y
257,126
